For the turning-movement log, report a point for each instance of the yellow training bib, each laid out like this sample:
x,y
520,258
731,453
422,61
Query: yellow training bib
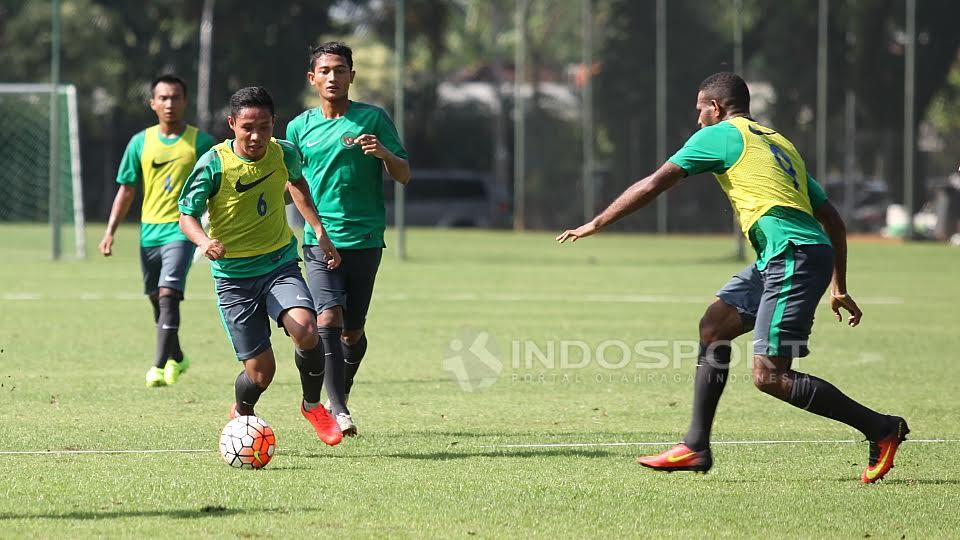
x,y
246,213
165,168
769,172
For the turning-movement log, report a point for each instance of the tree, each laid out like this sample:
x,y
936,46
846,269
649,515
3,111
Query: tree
x,y
112,49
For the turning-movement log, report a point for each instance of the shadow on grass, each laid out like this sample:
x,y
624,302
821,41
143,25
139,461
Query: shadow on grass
x,y
383,382
204,512
918,481
454,454
605,260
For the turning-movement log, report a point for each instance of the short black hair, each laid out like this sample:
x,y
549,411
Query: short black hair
x,y
168,78
337,48
729,89
251,96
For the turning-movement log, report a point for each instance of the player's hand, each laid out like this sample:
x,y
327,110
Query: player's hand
x,y
587,229
213,249
846,302
372,146
106,245
332,255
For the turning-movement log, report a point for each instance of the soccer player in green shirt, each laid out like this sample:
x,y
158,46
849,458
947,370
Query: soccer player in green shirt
x,y
346,145
161,157
253,252
781,209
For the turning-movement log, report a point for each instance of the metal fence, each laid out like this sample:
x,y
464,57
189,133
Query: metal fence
x,y
555,105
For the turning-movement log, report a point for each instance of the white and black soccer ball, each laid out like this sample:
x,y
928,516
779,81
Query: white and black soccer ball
x,y
247,442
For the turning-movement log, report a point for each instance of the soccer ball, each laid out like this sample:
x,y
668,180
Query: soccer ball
x,y
247,442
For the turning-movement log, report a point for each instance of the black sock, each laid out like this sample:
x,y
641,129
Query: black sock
x,y
168,328
310,363
713,364
155,303
247,392
333,380
820,397
352,355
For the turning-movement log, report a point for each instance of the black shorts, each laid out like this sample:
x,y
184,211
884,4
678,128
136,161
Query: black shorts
x,y
780,301
349,286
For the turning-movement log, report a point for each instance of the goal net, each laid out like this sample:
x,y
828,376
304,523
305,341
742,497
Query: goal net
x,y
28,193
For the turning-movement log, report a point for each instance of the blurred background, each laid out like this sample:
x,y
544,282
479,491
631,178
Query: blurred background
x,y
523,114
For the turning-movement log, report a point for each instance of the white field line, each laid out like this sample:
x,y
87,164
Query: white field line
x,y
744,443
459,297
500,446
62,452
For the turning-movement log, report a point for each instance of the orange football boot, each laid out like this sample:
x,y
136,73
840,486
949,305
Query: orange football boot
x,y
679,458
327,428
882,452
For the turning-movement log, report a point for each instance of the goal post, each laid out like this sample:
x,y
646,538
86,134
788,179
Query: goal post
x,y
25,179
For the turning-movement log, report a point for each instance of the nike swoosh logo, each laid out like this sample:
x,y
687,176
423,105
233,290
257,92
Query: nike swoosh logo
x,y
674,459
241,187
872,473
312,374
168,327
301,298
162,163
756,131
311,144
171,278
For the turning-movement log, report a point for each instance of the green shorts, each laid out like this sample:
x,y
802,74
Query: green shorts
x,y
247,305
779,302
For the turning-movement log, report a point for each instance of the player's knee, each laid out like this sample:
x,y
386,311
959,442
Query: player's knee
x,y
304,335
767,377
710,330
167,292
352,337
721,322
306,340
331,317
262,376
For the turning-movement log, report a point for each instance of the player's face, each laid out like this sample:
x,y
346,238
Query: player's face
x,y
168,102
331,76
708,113
253,127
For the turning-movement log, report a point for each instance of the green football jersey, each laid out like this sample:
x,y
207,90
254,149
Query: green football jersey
x,y
346,184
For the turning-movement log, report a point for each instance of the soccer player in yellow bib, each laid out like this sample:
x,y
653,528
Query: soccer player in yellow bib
x,y
161,157
253,252
800,242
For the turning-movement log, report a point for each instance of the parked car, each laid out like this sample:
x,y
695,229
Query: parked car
x,y
450,198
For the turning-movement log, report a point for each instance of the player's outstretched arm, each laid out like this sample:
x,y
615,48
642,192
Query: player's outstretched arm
x,y
634,198
121,205
833,224
210,247
300,193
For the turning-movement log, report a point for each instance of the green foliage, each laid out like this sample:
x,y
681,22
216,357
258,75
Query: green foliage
x,y
865,54
112,49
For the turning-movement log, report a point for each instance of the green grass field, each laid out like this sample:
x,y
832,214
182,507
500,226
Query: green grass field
x,y
77,337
